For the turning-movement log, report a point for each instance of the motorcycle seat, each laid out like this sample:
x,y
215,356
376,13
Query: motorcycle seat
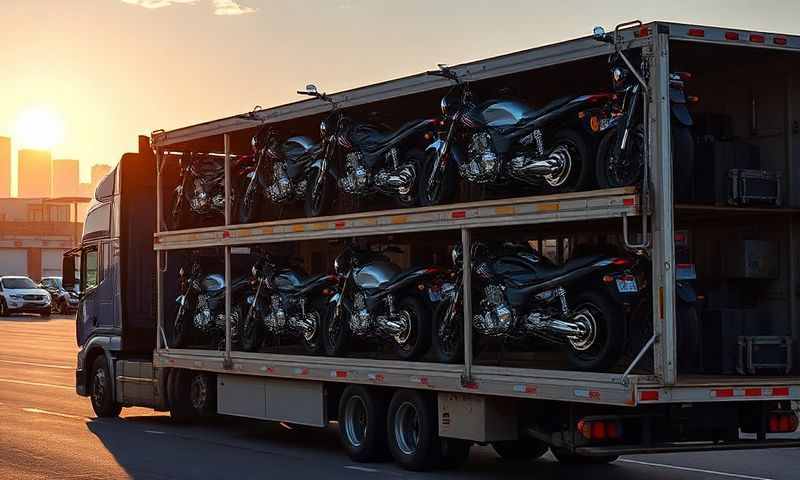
x,y
307,282
545,271
535,113
370,138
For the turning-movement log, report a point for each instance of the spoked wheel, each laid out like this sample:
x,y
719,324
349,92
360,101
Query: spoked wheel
x,y
336,333
251,330
439,190
247,204
412,424
183,328
612,172
603,338
102,394
571,152
413,340
319,196
569,458
362,423
312,336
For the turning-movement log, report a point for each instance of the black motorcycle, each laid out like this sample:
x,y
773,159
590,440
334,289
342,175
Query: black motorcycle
x,y
199,198
621,152
283,301
377,299
280,172
371,158
500,142
200,312
518,294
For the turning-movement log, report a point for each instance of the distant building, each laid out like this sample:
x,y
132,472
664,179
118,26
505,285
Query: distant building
x,y
5,167
66,178
98,172
34,174
85,190
35,232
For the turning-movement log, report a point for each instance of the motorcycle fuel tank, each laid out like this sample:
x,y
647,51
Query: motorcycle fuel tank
x,y
376,274
212,283
504,113
287,279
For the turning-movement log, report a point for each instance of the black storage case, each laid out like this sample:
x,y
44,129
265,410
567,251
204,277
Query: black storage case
x,y
713,161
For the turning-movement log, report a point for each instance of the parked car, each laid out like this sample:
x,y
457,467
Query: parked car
x,y
21,295
63,300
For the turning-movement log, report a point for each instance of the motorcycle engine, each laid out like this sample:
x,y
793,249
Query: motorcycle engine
x,y
360,321
275,319
496,317
356,178
483,163
396,179
202,318
281,187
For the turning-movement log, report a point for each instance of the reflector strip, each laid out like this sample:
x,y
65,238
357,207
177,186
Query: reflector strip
x,y
629,201
752,392
300,371
399,219
590,394
339,374
548,207
375,377
459,214
648,396
298,228
471,385
420,380
756,38
780,391
697,32
504,210
340,224
779,41
731,36
722,393
226,234
529,389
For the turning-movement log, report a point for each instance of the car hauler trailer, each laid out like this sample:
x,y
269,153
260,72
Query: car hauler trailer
x,y
433,411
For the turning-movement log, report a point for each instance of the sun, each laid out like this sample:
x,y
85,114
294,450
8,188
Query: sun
x,y
40,128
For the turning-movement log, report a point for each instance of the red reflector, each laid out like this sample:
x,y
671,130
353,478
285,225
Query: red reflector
x,y
644,31
723,392
773,423
697,32
648,395
731,36
752,392
780,391
598,431
779,41
341,374
784,423
340,224
756,38
628,202
459,214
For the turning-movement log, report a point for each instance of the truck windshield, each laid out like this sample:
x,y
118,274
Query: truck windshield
x,y
14,283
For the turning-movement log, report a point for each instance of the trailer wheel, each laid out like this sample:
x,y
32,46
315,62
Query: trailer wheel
x,y
570,458
101,389
524,449
412,426
362,423
193,395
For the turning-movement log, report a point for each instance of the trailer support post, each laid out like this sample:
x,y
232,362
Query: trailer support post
x,y
159,267
227,362
466,272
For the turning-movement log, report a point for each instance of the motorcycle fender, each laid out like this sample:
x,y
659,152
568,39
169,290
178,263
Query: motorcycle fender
x,y
334,300
180,300
434,148
681,114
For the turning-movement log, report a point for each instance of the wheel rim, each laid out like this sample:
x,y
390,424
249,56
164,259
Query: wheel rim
x,y
309,334
407,428
199,392
565,153
448,332
408,333
589,317
99,387
317,189
434,189
334,332
355,421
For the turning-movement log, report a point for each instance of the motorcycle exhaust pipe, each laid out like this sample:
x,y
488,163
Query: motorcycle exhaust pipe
x,y
523,166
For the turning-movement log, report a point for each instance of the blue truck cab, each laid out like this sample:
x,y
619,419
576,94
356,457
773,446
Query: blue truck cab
x,y
115,263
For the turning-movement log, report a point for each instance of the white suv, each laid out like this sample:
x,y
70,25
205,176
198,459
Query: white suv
x,y
21,295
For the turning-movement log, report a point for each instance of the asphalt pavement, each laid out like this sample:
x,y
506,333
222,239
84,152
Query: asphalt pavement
x,y
47,431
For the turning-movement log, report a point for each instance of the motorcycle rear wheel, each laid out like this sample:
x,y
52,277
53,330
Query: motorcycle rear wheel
x,y
319,204
447,185
414,343
580,177
314,343
610,335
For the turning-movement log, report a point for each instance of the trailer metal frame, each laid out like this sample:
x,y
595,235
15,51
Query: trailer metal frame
x,y
663,386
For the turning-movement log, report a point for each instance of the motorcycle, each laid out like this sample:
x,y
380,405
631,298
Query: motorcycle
x,y
199,198
201,307
518,294
621,152
284,301
372,159
377,299
279,173
499,142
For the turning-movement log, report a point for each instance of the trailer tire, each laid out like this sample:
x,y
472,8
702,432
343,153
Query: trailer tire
x,y
412,424
569,458
522,450
362,423
193,395
101,390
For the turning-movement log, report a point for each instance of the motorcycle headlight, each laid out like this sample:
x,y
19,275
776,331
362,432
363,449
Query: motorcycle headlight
x,y
323,129
618,76
455,255
337,265
445,106
254,143
254,271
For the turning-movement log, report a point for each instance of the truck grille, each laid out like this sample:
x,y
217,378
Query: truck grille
x,y
32,297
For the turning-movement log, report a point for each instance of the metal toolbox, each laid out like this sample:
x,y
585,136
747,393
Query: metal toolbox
x,y
764,353
748,187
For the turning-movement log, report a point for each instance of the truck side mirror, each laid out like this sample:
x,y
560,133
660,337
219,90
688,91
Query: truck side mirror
x,y
68,272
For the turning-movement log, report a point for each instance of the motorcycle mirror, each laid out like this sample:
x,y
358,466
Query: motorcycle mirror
x,y
311,88
599,33
254,271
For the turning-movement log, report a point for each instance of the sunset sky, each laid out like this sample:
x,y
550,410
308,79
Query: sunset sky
x,y
111,69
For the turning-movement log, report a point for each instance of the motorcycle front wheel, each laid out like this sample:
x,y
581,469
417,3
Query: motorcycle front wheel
x,y
318,200
447,343
247,205
413,341
602,347
312,340
336,333
251,330
182,327
443,190
611,172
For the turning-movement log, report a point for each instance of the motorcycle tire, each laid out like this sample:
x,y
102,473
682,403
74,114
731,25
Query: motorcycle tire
x,y
315,207
447,188
248,206
336,333
414,343
450,349
314,343
603,177
182,327
610,336
251,330
682,163
580,175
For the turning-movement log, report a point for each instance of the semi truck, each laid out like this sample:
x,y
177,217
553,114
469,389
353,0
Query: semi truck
x,y
725,380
